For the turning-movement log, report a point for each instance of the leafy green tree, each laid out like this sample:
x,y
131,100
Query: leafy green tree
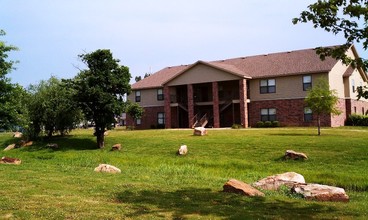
x,y
138,78
321,100
13,110
135,111
347,17
100,90
51,107
9,113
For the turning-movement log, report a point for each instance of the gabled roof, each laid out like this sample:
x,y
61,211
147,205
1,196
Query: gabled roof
x,y
349,71
220,66
261,66
156,80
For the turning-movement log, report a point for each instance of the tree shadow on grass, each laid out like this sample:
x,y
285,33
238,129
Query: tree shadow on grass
x,y
294,134
65,143
194,202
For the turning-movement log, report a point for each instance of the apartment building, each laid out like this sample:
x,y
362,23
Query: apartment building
x,y
245,90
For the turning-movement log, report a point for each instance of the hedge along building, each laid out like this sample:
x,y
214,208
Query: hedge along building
x,y
245,90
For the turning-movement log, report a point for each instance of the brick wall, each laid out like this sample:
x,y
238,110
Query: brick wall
x,y
289,112
149,117
357,107
339,120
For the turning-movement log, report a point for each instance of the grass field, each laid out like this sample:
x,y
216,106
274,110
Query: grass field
x,y
155,183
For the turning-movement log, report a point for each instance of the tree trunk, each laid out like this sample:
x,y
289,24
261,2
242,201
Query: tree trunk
x,y
319,125
100,134
49,135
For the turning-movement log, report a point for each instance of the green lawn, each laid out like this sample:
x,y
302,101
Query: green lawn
x,y
155,183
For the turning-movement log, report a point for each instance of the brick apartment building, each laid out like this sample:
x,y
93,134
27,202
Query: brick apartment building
x,y
245,90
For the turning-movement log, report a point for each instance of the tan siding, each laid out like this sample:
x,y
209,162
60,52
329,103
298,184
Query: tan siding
x,y
148,98
358,81
202,74
289,87
336,80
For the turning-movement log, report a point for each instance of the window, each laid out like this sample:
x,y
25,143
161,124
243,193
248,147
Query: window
x,y
160,94
137,96
353,85
268,114
308,114
160,118
363,111
267,86
307,82
138,121
354,109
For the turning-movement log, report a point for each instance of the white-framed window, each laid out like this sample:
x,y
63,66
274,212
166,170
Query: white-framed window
x,y
307,82
268,114
267,86
353,85
308,114
161,118
137,96
138,121
160,94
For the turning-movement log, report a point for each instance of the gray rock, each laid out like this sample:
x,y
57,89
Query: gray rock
x,y
107,169
116,147
10,147
199,131
274,182
239,187
183,150
8,160
319,192
290,154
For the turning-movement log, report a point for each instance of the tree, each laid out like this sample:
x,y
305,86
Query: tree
x,y
13,110
135,111
138,78
100,90
51,107
348,17
9,114
321,100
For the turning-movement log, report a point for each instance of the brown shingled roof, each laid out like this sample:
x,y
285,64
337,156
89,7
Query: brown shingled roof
x,y
157,79
260,66
282,64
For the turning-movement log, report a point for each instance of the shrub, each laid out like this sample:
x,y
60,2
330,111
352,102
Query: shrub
x,y
236,126
161,126
260,124
267,124
357,120
275,124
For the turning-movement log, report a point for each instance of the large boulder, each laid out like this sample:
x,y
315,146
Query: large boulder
x,y
199,131
10,147
290,154
321,192
183,150
8,160
107,169
274,182
239,187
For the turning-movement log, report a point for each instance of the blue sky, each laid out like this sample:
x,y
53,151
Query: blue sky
x,y
149,35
